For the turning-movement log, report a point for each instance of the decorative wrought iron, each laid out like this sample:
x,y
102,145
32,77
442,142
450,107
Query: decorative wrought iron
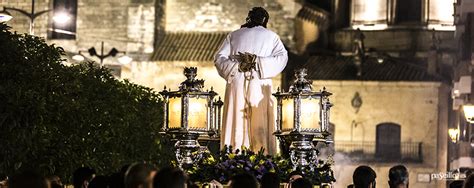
x,y
187,132
300,138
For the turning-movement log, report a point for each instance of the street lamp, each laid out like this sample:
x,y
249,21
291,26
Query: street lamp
x,y
6,16
453,134
302,118
112,53
188,114
468,110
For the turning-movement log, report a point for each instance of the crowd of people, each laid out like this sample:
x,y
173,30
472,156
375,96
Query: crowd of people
x,y
364,177
141,175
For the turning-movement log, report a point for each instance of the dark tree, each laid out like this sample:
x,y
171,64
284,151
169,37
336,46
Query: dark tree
x,y
56,118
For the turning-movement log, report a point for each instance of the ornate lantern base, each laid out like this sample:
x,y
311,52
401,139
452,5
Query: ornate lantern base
x,y
188,150
303,153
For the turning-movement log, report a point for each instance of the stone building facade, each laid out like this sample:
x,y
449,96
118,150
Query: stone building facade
x,y
163,36
423,148
394,113
195,31
461,146
399,68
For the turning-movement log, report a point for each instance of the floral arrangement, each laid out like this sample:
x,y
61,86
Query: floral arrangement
x,y
229,163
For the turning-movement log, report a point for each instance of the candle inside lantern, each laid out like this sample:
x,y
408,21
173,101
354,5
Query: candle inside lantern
x,y
287,114
197,116
174,112
310,113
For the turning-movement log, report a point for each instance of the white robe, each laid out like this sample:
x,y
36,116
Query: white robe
x,y
248,118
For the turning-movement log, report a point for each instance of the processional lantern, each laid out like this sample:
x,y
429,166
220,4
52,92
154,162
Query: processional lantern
x,y
189,113
303,120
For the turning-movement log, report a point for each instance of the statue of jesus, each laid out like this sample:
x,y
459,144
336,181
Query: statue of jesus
x,y
248,59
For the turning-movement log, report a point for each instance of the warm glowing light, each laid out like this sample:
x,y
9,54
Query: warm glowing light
x,y
174,112
456,92
61,18
64,62
288,112
197,116
369,12
469,112
5,17
149,50
442,27
370,26
78,57
453,134
310,113
125,60
441,11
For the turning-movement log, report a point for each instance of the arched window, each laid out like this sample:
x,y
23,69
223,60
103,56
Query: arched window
x,y
387,145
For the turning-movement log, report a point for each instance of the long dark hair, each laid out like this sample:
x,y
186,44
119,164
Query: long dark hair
x,y
257,16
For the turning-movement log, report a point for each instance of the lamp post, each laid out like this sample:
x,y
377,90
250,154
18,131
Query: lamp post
x,y
93,52
188,114
31,15
303,118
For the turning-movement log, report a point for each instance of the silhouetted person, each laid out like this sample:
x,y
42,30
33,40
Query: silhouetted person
x,y
270,180
301,183
364,177
3,180
294,176
82,177
469,182
116,180
55,181
468,172
99,182
28,180
456,184
140,175
170,178
398,177
243,181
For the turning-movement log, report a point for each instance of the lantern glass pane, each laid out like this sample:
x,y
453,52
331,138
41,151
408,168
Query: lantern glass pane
x,y
310,113
174,112
288,112
197,116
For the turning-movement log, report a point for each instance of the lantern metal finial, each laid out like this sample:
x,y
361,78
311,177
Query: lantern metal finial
x,y
301,84
191,83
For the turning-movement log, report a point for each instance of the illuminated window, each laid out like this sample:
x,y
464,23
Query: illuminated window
x,y
441,14
408,11
377,14
64,19
371,13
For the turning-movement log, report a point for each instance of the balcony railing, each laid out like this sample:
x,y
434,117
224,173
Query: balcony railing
x,y
371,152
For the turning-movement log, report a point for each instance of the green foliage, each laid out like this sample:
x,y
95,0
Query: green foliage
x,y
56,118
